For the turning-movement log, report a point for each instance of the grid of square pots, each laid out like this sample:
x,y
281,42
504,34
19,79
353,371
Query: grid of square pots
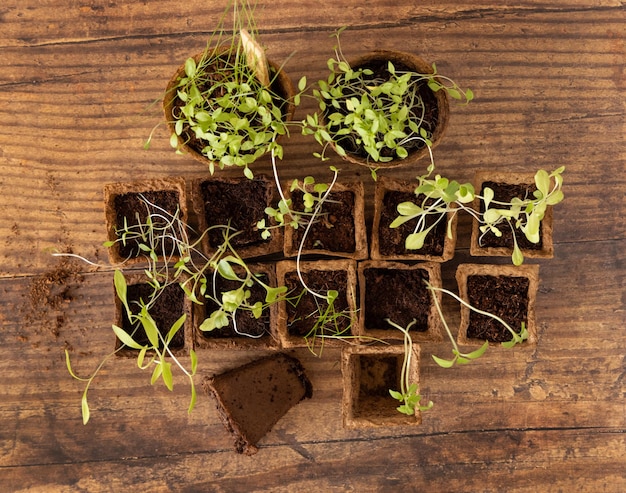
x,y
367,365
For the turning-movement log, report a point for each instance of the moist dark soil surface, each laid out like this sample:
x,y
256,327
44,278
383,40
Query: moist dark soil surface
x,y
379,76
504,296
247,325
241,204
334,230
391,240
136,208
301,318
505,192
400,295
167,309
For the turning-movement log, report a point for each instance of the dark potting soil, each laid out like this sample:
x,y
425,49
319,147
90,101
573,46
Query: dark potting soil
x,y
252,398
241,204
136,208
505,192
334,228
167,309
504,296
247,325
397,294
379,76
302,317
392,240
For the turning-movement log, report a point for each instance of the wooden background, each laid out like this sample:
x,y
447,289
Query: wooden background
x,y
77,80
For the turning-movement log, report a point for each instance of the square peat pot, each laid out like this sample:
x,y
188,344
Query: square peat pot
x,y
240,203
506,186
507,291
159,199
369,372
389,243
397,291
339,230
166,309
299,322
247,332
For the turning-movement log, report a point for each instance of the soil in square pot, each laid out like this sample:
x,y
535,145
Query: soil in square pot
x,y
251,333
389,243
252,398
369,372
506,186
130,201
170,305
297,320
240,203
397,291
281,86
436,107
507,291
339,230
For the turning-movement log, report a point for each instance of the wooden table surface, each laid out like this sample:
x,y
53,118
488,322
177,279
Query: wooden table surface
x,y
77,83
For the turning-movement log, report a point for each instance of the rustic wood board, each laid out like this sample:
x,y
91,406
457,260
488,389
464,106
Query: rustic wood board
x,y
77,83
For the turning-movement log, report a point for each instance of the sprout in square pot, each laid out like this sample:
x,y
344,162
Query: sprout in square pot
x,y
504,291
320,307
145,220
394,239
238,203
397,292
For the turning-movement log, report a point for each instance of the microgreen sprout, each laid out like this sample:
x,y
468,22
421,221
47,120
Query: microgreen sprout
x,y
408,394
439,196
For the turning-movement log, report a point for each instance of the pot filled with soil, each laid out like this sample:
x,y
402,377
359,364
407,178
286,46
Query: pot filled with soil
x,y
147,213
369,373
165,305
244,330
398,292
308,320
506,188
389,243
338,230
222,111
252,398
508,291
380,110
233,207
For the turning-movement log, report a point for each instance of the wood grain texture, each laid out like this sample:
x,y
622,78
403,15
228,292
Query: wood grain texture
x,y
79,90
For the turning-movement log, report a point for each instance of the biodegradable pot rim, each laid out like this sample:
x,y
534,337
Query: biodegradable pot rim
x,y
261,249
350,383
418,65
386,184
134,278
530,271
434,333
284,266
282,80
510,178
272,341
112,190
360,232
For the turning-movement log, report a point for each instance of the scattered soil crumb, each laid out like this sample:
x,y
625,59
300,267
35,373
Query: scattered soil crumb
x,y
49,295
